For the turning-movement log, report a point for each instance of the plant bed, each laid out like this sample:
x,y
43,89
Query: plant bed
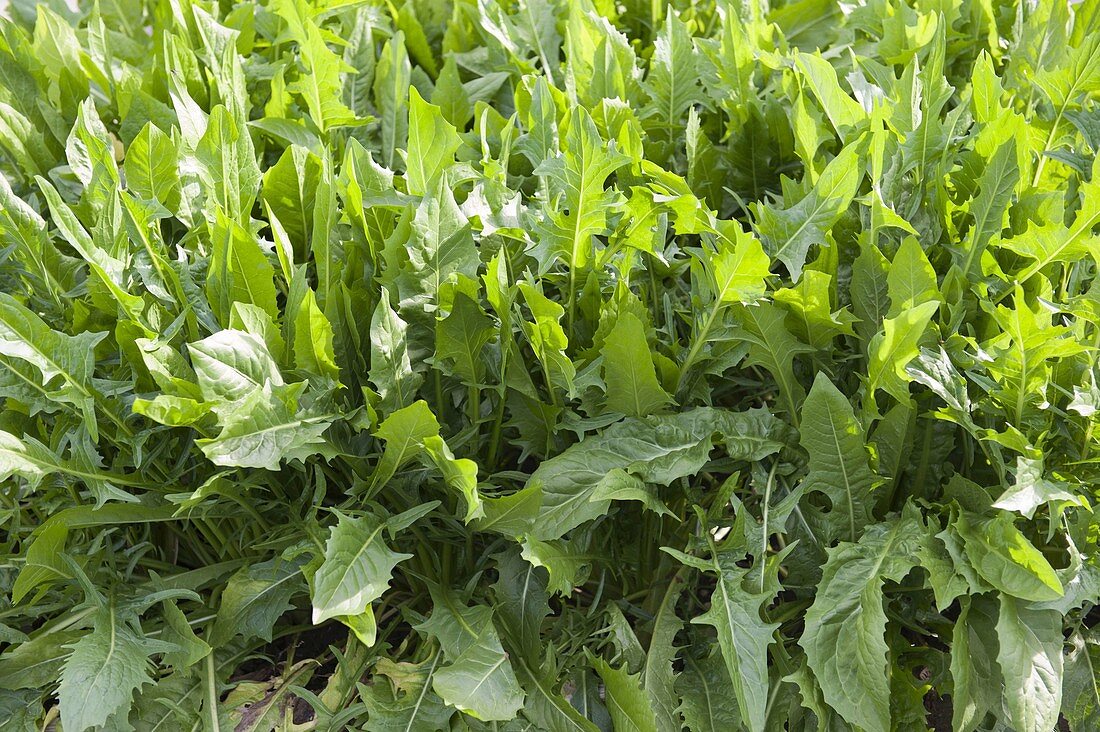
x,y
538,365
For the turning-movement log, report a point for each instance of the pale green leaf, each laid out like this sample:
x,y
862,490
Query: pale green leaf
x,y
891,351
313,340
356,570
265,428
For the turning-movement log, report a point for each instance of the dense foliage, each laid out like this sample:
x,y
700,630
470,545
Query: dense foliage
x,y
549,365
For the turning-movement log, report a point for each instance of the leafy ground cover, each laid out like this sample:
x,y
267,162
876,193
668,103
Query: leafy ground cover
x,y
539,365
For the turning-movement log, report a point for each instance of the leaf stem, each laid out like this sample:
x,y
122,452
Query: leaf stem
x,y
1050,140
473,407
572,303
764,529
699,342
212,693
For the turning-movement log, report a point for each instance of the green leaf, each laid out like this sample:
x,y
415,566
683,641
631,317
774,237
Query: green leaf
x,y
231,364
1030,658
739,265
1081,683
391,370
673,82
320,85
1077,72
108,268
600,59
626,700
1004,558
20,709
254,599
660,449
948,580
404,700
90,155
743,636
632,386
264,429
151,167
912,280
810,302
451,97
290,191
1054,242
103,671
839,467
820,76
870,290
1022,352
459,474
548,338
522,604
618,485
432,144
563,559
659,675
989,207
891,351
974,672
772,346
36,663
707,701
461,337
847,613
29,459
1032,490
190,648
239,270
441,248
404,432
478,678
391,85
578,207
789,232
510,515
313,340
43,561
356,569
227,165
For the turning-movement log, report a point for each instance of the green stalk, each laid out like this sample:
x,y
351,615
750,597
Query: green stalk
x,y
473,406
437,387
212,693
699,342
764,530
494,435
1050,139
1086,444
572,299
